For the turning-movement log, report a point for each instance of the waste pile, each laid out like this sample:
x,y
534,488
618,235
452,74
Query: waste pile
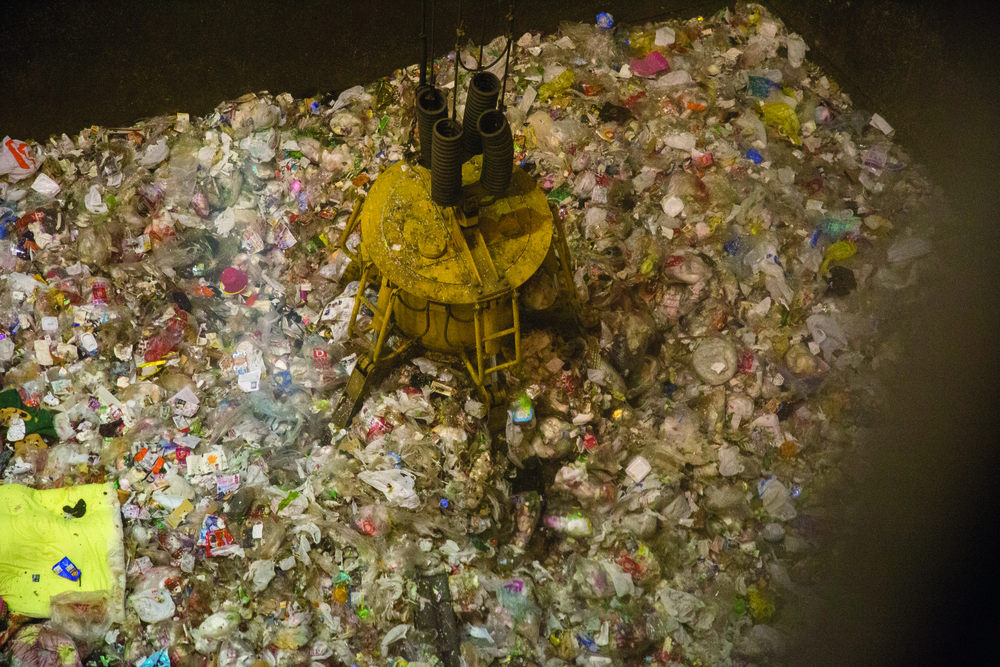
x,y
173,325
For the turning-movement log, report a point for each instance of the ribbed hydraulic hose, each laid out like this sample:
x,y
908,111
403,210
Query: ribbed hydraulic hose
x,y
484,89
498,152
431,108
446,163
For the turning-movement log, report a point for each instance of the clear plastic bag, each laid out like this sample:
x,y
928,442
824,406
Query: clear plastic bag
x,y
84,616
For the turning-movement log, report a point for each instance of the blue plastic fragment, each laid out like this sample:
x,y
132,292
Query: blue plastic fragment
x,y
760,86
283,379
835,227
67,570
754,156
605,20
158,659
588,643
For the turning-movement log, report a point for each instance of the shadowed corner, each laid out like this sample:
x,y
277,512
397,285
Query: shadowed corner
x,y
907,578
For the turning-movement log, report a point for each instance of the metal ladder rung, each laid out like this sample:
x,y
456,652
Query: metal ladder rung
x,y
500,367
371,306
500,334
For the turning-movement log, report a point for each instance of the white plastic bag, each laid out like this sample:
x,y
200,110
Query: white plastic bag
x,y
154,154
260,575
777,500
796,50
16,159
45,185
729,461
214,629
153,605
397,485
94,202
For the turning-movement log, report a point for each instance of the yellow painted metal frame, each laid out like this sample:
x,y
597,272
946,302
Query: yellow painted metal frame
x,y
478,372
382,318
352,222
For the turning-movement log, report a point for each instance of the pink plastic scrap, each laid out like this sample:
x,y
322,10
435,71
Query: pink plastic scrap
x,y
651,65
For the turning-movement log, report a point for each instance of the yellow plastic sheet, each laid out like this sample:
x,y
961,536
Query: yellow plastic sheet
x,y
837,252
556,86
782,116
36,534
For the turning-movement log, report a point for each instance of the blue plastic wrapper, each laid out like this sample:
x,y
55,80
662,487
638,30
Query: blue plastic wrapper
x,y
158,659
7,221
754,156
588,643
67,570
605,21
760,86
211,524
836,228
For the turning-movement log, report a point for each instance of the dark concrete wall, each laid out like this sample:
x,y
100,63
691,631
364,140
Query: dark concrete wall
x,y
69,64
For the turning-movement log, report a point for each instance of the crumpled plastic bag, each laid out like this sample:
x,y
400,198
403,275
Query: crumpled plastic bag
x,y
906,249
350,95
777,500
729,461
551,135
155,154
763,258
214,629
260,146
394,635
42,646
16,159
95,204
783,117
682,606
85,616
796,50
397,485
254,116
651,65
235,653
827,333
415,406
46,186
763,641
748,121
153,604
557,85
679,77
682,141
261,573
682,441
